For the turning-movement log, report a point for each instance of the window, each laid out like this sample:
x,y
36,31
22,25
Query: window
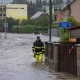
x,y
4,14
4,8
21,8
0,14
0,8
44,9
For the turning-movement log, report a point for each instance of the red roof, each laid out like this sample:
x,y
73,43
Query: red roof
x,y
73,28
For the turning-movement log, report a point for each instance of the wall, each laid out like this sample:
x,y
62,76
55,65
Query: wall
x,y
16,11
78,60
63,60
75,33
58,16
65,14
54,32
75,10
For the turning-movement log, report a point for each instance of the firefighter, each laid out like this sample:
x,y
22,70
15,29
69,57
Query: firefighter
x,y
38,49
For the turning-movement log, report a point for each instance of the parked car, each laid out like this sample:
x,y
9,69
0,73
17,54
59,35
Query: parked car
x,y
36,32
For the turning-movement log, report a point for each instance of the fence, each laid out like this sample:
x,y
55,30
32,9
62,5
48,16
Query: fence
x,y
62,56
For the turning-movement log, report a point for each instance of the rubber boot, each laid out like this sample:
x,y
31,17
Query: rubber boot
x,y
37,58
40,57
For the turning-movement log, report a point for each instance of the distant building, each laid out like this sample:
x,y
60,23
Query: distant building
x,y
46,9
16,11
55,11
2,11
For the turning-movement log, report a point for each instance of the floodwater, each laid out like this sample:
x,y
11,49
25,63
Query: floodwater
x,y
17,61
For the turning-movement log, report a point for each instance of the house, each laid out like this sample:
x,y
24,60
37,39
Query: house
x,y
37,15
2,11
72,9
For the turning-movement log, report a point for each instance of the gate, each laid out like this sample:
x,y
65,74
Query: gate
x,y
67,58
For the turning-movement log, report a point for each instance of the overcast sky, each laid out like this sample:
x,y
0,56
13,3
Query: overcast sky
x,y
8,1
5,1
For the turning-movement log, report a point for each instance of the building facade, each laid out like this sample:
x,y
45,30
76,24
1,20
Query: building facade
x,y
16,11
58,17
75,32
2,11
73,9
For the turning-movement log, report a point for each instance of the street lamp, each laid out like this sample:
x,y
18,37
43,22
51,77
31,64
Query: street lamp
x,y
50,14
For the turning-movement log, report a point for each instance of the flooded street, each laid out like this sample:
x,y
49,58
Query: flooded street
x,y
17,61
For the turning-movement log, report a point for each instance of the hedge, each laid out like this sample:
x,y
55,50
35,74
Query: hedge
x,y
29,29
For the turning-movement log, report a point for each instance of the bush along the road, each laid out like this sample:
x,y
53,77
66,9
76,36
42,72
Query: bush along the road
x,y
64,35
27,29
14,29
23,29
42,29
30,29
55,25
11,22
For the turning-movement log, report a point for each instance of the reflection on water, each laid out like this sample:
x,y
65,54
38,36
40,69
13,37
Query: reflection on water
x,y
59,76
39,65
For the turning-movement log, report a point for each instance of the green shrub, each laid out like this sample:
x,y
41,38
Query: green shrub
x,y
13,29
30,29
27,29
64,35
55,25
41,29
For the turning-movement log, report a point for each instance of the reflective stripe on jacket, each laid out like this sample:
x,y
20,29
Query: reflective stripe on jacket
x,y
38,46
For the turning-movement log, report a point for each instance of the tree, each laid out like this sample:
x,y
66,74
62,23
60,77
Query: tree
x,y
11,22
73,21
23,22
43,20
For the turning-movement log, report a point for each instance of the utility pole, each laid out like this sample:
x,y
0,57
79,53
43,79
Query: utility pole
x,y
50,14
5,26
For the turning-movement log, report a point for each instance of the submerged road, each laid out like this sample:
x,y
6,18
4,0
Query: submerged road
x,y
17,61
